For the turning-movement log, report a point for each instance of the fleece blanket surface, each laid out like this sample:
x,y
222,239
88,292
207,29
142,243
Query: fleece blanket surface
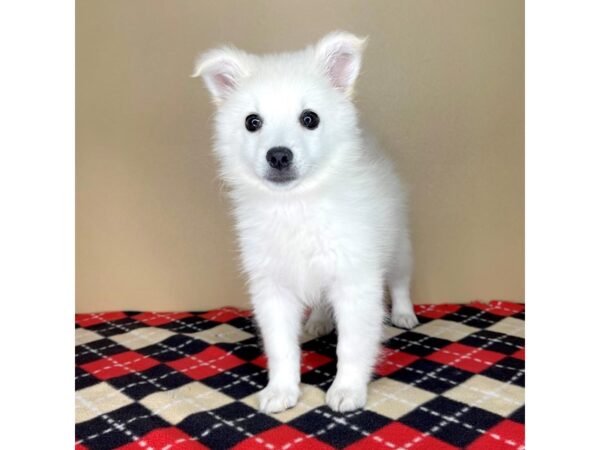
x,y
189,380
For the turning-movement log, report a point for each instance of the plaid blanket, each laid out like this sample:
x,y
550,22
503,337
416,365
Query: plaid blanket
x,y
189,380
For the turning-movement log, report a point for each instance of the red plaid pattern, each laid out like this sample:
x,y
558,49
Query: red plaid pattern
x,y
189,380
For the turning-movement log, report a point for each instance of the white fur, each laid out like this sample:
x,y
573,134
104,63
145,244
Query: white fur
x,y
328,240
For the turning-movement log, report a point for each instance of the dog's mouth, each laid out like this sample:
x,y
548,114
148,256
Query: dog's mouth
x,y
281,176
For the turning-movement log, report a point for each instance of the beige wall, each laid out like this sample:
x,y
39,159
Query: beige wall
x,y
442,88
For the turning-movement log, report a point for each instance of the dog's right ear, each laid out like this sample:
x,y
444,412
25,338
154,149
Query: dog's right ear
x,y
222,70
339,54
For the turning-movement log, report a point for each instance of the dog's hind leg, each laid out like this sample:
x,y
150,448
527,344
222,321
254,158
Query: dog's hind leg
x,y
398,281
320,321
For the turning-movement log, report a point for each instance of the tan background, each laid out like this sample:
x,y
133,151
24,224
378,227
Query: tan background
x,y
442,88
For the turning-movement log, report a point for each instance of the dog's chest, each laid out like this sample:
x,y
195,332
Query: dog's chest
x,y
295,243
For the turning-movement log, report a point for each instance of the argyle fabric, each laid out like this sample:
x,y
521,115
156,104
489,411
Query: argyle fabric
x,y
189,380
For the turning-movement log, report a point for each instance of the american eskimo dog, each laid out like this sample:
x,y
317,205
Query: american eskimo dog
x,y
319,211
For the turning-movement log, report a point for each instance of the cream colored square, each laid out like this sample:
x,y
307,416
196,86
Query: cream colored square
x,y
96,400
305,337
83,336
221,333
394,399
310,398
489,394
142,337
510,325
177,404
446,329
390,332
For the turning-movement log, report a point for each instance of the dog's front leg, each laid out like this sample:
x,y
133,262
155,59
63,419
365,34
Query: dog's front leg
x,y
279,317
359,311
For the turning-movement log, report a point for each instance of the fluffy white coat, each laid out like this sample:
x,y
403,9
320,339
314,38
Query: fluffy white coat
x,y
328,240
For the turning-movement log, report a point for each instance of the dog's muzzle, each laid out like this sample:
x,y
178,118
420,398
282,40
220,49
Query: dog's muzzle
x,y
281,167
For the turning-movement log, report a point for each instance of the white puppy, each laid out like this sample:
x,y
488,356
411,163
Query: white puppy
x,y
319,212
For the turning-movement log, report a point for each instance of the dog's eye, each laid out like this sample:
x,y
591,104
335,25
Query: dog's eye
x,y
253,122
309,119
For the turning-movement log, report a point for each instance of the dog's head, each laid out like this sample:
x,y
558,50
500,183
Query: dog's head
x,y
283,120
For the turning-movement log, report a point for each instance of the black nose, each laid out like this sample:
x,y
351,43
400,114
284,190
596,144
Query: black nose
x,y
280,157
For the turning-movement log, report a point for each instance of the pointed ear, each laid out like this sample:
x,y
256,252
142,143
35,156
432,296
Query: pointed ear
x,y
339,55
222,69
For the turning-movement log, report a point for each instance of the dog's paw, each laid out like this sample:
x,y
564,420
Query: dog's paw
x,y
345,398
276,399
319,327
405,320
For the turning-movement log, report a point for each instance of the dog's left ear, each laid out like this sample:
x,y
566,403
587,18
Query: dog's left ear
x,y
339,55
222,70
